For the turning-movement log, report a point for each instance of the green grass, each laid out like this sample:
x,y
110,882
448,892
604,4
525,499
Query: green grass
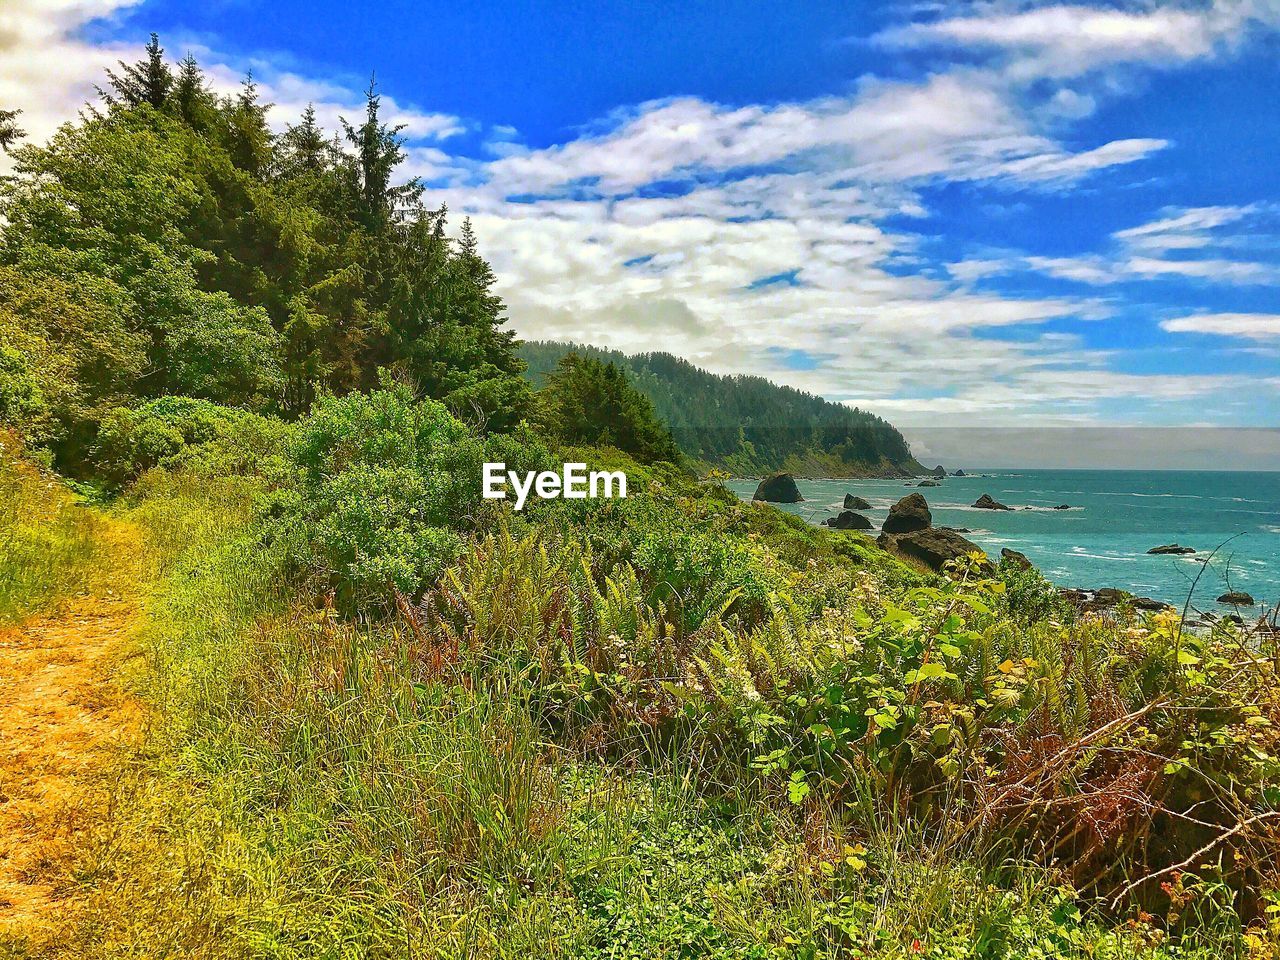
x,y
49,544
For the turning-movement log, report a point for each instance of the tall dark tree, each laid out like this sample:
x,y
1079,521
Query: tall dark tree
x,y
249,139
148,81
379,150
193,101
590,401
304,148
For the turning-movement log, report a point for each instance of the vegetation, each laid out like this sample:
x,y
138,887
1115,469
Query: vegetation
x,y
585,400
392,718
744,424
214,260
48,542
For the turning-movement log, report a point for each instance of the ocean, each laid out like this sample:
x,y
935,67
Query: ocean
x,y
1116,516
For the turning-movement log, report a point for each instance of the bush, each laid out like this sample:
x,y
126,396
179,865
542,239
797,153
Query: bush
x,y
135,439
385,486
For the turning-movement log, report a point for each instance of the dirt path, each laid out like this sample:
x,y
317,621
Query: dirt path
x,y
64,719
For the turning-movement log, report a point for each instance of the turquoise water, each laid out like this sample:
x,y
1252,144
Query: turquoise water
x,y
1102,541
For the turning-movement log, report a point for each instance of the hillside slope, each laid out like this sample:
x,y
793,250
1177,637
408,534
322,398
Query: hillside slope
x,y
748,425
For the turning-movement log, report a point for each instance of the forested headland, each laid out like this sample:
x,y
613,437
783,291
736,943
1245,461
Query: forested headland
x,y
747,425
346,706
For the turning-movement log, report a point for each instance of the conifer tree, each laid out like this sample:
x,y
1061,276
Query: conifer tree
x,y
249,139
379,150
148,81
192,99
304,146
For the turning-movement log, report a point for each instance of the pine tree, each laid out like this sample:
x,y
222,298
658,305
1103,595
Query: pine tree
x,y
304,146
379,150
9,131
192,99
148,81
249,139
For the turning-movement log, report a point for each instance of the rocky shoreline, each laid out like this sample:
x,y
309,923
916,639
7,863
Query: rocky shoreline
x,y
908,532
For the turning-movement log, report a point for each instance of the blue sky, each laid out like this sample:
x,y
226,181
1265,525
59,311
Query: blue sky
x,y
952,213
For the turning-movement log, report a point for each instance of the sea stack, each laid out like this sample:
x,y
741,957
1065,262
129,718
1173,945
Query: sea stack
x,y
779,488
855,503
985,502
908,514
1173,548
848,520
1016,559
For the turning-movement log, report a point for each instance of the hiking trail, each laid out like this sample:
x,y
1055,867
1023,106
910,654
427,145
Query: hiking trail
x,y
65,719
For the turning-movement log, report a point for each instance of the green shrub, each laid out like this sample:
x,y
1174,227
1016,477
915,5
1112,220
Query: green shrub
x,y
384,488
162,431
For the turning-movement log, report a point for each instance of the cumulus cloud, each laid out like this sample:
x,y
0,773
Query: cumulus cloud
x,y
45,68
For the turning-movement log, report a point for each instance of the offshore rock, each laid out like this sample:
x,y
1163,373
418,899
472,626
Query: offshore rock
x,y
908,514
779,488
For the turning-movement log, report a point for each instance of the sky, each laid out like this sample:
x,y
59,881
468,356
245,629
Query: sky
x,y
1040,217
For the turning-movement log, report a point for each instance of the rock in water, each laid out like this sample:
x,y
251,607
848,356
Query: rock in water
x,y
1237,598
855,503
1063,506
959,473
779,488
1016,559
985,502
928,483
1175,548
908,514
938,471
848,520
932,546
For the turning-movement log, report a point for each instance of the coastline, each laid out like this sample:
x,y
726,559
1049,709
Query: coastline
x,y
1103,543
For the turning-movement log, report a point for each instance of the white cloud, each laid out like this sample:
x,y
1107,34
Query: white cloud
x,y
956,126
1252,326
1068,40
1182,229
45,69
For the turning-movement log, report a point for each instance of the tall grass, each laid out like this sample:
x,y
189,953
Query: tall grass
x,y
49,544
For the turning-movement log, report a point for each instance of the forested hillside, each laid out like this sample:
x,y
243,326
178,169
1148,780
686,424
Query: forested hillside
x,y
747,425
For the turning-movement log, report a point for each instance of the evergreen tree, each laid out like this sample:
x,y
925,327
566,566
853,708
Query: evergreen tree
x,y
593,402
379,149
193,101
249,139
148,81
304,149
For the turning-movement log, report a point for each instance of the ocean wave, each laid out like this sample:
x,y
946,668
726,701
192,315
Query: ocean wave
x,y
1154,496
1083,552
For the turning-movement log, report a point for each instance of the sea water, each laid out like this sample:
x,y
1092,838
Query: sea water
x,y
1102,541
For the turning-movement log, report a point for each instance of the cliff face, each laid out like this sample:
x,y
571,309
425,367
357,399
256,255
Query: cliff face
x,y
746,425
